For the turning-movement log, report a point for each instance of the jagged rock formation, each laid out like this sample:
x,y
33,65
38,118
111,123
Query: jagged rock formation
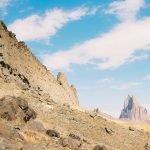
x,y
19,66
133,110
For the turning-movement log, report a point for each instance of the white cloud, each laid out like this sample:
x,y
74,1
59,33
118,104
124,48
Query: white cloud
x,y
110,50
137,58
105,80
37,27
3,5
126,86
147,77
125,9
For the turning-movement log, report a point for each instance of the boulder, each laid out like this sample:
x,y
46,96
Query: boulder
x,y
103,147
12,108
29,114
99,147
73,136
71,143
22,104
109,130
36,126
52,133
147,146
131,128
8,108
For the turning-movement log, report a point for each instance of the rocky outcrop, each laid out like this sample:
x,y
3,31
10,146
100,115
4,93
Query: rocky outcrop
x,y
12,108
52,133
71,143
19,66
103,147
147,146
133,110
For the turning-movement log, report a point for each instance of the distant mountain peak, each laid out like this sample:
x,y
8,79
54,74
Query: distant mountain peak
x,y
133,110
131,101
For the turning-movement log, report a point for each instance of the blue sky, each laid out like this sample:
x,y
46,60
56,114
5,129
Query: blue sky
x,y
103,46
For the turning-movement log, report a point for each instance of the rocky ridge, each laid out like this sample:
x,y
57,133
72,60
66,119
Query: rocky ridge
x,y
133,110
19,66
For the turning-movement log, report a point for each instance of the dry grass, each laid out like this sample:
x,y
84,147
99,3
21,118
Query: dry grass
x,y
138,125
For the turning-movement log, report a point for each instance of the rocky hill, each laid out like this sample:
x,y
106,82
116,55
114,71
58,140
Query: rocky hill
x,y
18,65
39,112
133,110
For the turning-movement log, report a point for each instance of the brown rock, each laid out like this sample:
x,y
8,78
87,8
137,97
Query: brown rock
x,y
8,108
131,128
63,142
53,133
71,143
29,114
147,146
12,108
103,147
73,136
109,130
22,103
99,147
36,126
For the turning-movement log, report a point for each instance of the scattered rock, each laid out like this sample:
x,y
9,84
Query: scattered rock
x,y
53,133
93,115
29,114
67,106
74,136
131,128
63,142
8,108
109,130
36,126
103,147
99,147
147,146
12,108
71,143
22,104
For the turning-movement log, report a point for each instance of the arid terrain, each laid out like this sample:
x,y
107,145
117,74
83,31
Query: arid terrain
x,y
39,112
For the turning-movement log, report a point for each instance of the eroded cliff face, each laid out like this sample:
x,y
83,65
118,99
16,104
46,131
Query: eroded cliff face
x,y
133,110
18,66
